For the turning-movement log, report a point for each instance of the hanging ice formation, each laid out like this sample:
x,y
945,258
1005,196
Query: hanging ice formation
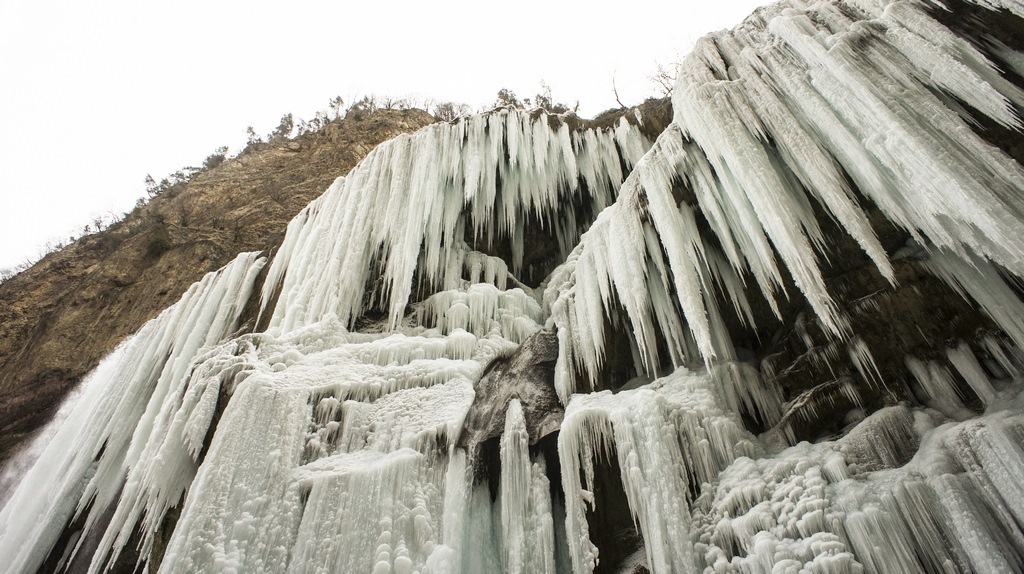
x,y
516,343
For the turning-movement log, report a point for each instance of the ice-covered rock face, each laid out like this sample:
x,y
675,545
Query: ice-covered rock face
x,y
515,343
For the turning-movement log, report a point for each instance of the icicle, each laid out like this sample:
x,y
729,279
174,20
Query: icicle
x,y
983,282
938,387
802,93
864,362
515,487
1003,357
967,365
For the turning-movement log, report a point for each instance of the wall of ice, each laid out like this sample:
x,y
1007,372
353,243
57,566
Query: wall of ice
x,y
426,382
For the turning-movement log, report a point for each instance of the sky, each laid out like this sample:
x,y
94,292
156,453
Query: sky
x,y
96,95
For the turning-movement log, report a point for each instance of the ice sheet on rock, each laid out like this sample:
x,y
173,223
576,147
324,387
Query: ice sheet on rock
x,y
482,309
318,393
859,501
374,513
355,483
15,468
337,412
167,465
86,463
421,418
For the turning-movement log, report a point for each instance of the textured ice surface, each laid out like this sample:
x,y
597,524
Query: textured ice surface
x,y
333,442
664,435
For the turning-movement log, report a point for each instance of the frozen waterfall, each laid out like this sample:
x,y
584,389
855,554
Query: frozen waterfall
x,y
785,335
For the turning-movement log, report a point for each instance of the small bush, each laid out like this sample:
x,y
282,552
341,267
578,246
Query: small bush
x,y
159,242
216,158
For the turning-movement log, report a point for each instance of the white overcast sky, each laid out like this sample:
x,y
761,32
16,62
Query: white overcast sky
x,y
95,95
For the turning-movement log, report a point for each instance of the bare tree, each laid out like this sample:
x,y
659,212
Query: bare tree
x,y
449,111
664,78
252,137
284,128
336,105
615,91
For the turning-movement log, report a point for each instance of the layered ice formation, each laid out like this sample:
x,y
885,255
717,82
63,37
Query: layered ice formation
x,y
524,343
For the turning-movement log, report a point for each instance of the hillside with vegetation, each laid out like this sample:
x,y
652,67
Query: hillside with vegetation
x,y
59,317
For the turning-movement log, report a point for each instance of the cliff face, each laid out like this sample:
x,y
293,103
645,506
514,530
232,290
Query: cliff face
x,y
782,331
60,317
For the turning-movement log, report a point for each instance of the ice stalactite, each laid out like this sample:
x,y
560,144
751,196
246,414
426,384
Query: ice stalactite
x,y
970,370
511,313
982,281
129,407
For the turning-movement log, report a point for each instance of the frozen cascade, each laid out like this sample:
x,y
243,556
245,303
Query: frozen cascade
x,y
520,343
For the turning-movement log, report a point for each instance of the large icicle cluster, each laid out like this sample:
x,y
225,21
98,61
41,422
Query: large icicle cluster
x,y
664,435
415,202
773,120
363,429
